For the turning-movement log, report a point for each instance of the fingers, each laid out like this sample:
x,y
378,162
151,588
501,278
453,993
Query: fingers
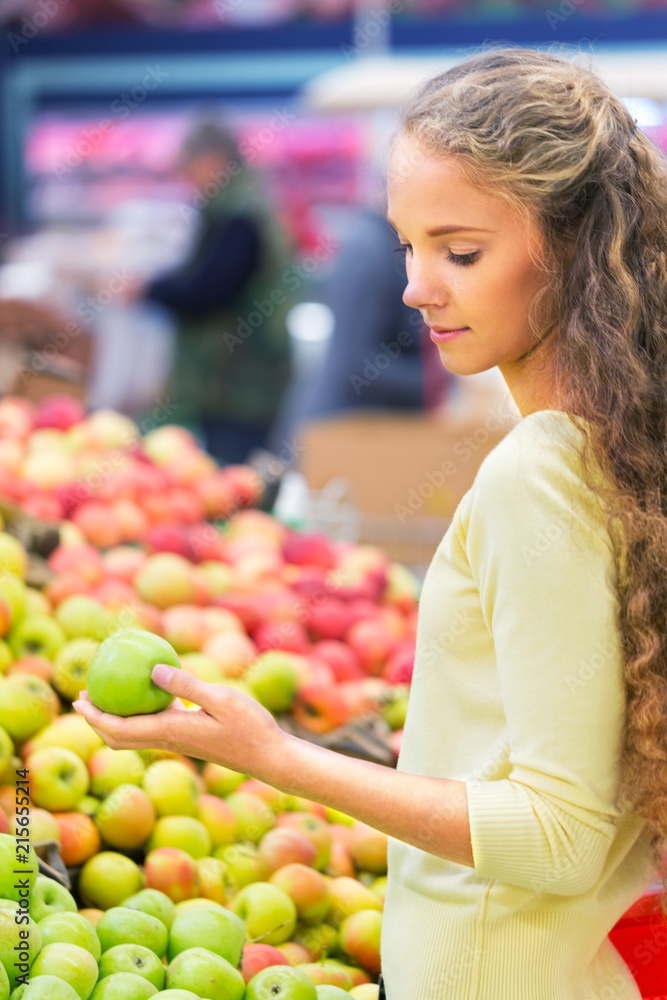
x,y
186,686
138,731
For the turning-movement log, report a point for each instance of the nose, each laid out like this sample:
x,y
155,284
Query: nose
x,y
423,288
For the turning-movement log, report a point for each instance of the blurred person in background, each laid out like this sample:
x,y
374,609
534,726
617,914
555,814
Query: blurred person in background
x,y
233,359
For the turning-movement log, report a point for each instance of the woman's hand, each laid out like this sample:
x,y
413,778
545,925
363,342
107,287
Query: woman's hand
x,y
229,727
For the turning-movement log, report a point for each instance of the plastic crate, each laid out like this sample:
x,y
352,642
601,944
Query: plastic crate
x,y
640,937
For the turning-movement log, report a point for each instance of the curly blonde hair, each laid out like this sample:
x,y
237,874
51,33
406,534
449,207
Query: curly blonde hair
x,y
550,136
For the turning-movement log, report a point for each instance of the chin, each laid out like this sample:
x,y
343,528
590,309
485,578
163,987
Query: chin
x,y
462,365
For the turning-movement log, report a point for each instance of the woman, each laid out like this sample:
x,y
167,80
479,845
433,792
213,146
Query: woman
x,y
529,807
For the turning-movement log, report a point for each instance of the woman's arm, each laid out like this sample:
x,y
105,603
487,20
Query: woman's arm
x,y
232,729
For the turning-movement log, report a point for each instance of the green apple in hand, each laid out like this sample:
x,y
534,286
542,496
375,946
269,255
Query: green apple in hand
x,y
69,962
216,929
48,897
9,882
71,928
206,975
281,982
155,903
133,958
123,925
119,674
123,986
45,988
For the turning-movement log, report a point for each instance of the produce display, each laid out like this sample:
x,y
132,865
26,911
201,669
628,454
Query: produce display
x,y
188,879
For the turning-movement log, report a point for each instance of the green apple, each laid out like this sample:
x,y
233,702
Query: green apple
x,y
36,635
71,731
49,897
27,704
133,958
13,557
395,706
71,928
111,768
58,778
69,962
365,991
155,903
119,675
281,981
269,913
221,780
123,925
70,667
178,995
107,879
273,681
206,974
244,864
83,617
184,832
123,986
18,943
254,817
12,885
328,992
6,753
14,592
45,988
172,788
216,929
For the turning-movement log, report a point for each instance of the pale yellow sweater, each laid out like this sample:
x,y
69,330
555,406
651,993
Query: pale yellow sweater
x,y
518,693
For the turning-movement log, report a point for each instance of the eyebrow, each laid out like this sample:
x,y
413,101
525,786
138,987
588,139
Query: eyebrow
x,y
447,230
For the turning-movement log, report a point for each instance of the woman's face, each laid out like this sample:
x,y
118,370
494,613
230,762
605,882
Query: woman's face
x,y
472,264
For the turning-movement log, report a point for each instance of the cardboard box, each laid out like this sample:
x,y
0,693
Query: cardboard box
x,y
404,475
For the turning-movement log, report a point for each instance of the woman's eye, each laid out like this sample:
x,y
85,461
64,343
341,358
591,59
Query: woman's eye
x,y
463,259
403,248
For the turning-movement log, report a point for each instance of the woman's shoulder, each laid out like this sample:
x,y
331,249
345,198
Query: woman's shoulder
x,y
543,442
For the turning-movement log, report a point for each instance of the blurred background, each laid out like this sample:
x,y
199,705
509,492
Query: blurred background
x,y
97,98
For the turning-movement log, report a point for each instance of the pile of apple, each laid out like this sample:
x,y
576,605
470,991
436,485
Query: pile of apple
x,y
100,475
243,891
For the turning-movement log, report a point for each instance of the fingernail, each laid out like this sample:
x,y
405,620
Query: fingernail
x,y
162,674
76,705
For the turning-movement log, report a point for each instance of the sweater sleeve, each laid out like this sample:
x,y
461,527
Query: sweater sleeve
x,y
219,274
543,562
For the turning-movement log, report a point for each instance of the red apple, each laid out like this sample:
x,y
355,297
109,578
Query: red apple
x,y
320,708
79,837
173,872
368,848
343,661
308,890
257,957
372,643
360,938
316,829
126,817
328,619
232,651
288,635
124,562
280,847
218,819
82,559
310,550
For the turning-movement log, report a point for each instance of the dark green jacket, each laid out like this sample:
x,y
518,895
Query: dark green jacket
x,y
232,359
